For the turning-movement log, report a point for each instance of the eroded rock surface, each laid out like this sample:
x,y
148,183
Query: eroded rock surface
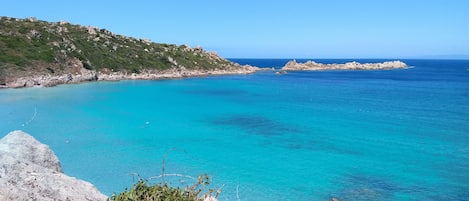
x,y
311,65
29,170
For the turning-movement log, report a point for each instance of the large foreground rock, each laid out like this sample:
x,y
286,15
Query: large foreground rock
x,y
30,170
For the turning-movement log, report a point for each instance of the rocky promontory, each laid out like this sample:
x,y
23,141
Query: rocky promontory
x,y
40,53
30,170
313,66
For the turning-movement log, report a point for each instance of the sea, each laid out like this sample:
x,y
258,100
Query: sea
x,y
313,135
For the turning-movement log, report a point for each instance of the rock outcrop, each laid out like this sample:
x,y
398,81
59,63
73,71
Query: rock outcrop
x,y
85,75
30,170
312,66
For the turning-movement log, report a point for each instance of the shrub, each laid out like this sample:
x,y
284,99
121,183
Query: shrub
x,y
141,191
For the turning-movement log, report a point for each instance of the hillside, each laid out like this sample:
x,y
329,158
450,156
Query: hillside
x,y
33,52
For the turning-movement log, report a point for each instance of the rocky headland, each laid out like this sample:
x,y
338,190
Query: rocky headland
x,y
40,53
29,170
313,66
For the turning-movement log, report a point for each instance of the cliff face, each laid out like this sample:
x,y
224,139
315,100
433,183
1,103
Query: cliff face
x,y
30,170
64,53
311,65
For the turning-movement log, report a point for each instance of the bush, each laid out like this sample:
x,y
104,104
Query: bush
x,y
141,191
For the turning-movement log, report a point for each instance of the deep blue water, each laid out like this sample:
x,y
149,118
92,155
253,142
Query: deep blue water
x,y
354,135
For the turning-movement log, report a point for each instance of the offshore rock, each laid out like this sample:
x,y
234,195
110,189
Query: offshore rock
x,y
312,66
30,170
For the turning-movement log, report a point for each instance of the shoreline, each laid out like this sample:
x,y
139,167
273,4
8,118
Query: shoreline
x,y
85,75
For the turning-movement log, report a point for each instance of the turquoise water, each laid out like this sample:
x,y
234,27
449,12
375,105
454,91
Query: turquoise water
x,y
360,135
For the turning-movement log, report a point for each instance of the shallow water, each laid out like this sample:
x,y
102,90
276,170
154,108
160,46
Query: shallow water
x,y
355,135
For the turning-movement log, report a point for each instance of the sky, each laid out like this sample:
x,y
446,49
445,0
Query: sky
x,y
275,29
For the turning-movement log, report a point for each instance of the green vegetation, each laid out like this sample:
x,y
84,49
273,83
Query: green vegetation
x,y
141,191
34,46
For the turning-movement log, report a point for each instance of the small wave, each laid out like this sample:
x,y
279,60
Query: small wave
x,y
411,67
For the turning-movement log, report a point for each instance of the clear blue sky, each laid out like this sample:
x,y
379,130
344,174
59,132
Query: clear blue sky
x,y
274,29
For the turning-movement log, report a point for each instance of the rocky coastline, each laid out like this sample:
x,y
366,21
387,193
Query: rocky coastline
x,y
313,66
81,74
43,54
29,170
85,75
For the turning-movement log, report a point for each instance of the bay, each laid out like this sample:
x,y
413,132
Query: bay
x,y
354,135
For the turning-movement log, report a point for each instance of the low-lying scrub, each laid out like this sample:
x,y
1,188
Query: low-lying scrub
x,y
143,191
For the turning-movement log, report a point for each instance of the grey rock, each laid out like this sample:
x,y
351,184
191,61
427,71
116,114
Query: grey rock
x,y
311,66
29,170
81,74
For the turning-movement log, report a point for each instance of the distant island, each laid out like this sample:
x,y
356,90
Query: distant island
x,y
40,53
313,66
